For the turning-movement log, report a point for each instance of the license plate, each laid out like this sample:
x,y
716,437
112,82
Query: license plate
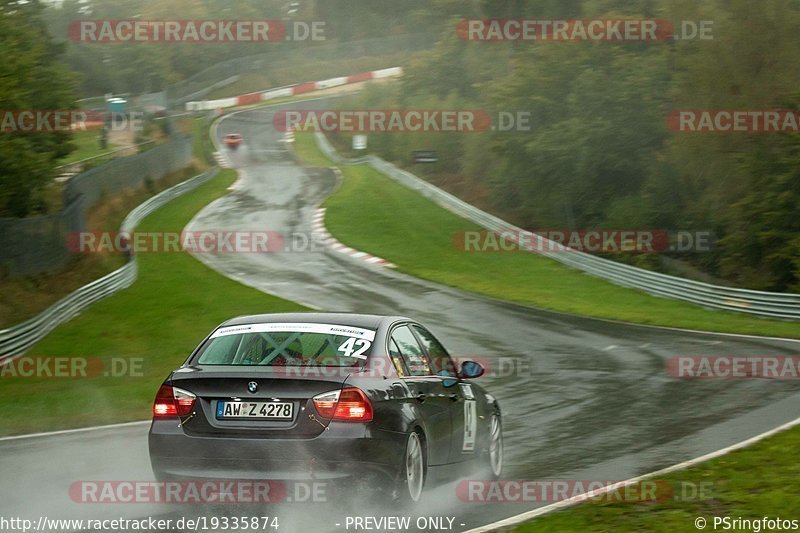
x,y
278,410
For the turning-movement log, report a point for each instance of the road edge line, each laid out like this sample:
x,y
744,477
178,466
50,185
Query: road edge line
x,y
75,430
581,498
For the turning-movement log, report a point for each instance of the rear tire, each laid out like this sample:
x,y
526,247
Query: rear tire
x,y
492,461
414,470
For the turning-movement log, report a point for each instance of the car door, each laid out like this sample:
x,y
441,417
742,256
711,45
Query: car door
x,y
462,405
426,390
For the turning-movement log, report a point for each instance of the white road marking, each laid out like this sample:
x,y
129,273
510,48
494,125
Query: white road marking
x,y
523,517
77,430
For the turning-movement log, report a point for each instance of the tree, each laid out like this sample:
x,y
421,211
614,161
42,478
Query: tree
x,y
762,246
30,79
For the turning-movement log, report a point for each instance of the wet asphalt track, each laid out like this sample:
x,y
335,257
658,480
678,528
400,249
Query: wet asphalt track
x,y
582,399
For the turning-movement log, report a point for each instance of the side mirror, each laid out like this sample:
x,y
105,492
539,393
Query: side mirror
x,y
470,369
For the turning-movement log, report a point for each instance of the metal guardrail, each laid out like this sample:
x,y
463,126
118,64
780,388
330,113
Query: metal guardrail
x,y
32,245
77,166
15,340
767,304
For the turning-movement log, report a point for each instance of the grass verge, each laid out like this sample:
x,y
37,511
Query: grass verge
x,y
371,212
155,323
758,481
417,236
87,144
28,296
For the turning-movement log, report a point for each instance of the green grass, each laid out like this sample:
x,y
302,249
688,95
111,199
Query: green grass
x,y
397,224
370,212
761,480
27,296
88,145
175,302
201,142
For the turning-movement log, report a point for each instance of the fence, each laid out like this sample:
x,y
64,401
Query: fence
x,y
16,340
33,245
768,304
76,167
130,172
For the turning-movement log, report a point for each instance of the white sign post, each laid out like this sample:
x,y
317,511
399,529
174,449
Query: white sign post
x,y
359,142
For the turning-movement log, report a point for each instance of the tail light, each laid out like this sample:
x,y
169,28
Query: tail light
x,y
349,404
172,402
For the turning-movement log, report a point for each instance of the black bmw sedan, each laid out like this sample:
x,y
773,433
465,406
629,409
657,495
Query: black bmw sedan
x,y
330,397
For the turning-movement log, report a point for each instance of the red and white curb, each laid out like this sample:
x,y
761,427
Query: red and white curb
x,y
222,160
320,233
292,90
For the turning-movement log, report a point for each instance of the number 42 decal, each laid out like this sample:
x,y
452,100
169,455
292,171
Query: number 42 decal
x,y
349,348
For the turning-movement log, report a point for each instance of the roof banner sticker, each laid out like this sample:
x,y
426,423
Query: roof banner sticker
x,y
330,329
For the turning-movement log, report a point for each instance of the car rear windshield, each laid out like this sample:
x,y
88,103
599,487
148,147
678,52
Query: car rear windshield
x,y
287,345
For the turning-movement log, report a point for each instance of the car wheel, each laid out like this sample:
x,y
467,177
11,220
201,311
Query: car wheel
x,y
412,480
494,453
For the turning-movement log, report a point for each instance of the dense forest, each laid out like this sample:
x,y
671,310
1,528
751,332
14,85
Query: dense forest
x,y
31,77
600,153
138,68
46,69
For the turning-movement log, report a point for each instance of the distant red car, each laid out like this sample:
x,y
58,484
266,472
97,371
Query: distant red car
x,y
232,140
